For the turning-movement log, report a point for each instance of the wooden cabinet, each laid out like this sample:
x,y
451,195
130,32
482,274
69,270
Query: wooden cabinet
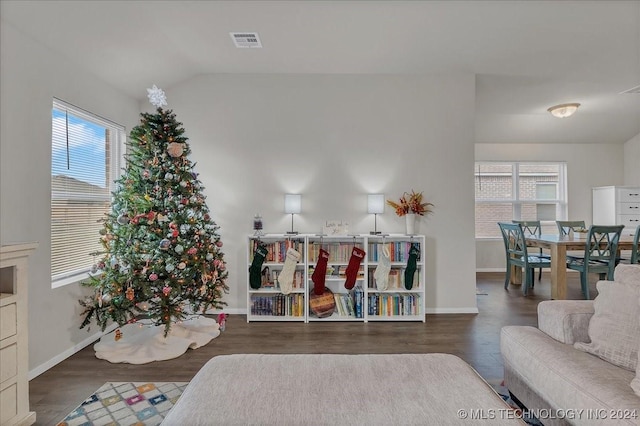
x,y
617,205
14,351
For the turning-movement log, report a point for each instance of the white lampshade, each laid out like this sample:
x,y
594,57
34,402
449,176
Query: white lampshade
x,y
563,110
292,203
375,203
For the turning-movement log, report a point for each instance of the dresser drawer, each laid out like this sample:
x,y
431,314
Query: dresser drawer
x,y
9,364
629,194
629,208
8,403
8,321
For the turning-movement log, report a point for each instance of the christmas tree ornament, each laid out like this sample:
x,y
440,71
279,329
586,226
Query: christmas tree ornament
x,y
209,256
157,97
412,264
123,219
146,173
357,255
179,249
285,278
117,335
169,267
106,298
182,265
168,176
166,290
153,277
192,251
164,244
94,268
130,293
319,272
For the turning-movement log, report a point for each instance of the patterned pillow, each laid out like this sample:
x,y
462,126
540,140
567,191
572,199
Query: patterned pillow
x,y
614,328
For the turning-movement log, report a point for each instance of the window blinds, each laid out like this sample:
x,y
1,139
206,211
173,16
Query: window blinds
x,y
85,152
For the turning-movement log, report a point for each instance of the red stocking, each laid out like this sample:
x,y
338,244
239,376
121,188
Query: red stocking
x,y
352,269
319,272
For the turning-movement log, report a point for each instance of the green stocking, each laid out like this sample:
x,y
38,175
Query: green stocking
x,y
255,270
412,264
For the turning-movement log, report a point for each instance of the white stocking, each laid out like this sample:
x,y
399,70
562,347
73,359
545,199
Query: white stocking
x,y
286,275
381,273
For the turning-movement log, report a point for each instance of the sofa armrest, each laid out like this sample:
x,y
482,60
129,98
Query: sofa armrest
x,y
567,321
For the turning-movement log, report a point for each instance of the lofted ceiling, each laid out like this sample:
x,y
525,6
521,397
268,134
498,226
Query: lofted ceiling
x,y
526,55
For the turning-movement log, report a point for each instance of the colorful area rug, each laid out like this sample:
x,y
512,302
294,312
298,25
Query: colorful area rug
x,y
121,403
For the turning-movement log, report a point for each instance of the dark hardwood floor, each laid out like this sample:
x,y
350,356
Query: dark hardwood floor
x,y
473,337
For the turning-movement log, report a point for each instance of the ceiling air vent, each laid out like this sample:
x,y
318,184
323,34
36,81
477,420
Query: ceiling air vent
x,y
632,90
244,40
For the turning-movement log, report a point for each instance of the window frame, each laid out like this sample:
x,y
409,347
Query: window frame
x,y
516,201
116,155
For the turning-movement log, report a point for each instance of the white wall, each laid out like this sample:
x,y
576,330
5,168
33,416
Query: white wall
x,y
588,165
30,77
334,139
632,161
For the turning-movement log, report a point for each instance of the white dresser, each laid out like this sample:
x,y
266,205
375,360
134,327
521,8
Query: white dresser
x,y
14,341
617,205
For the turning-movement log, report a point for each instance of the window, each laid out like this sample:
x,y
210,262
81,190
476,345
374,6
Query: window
x,y
85,160
519,191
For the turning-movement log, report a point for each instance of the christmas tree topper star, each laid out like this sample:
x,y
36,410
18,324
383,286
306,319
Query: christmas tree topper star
x,y
157,97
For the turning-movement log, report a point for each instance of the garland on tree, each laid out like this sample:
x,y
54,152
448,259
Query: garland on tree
x,y
162,251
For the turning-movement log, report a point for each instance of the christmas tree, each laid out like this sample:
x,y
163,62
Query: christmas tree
x,y
162,251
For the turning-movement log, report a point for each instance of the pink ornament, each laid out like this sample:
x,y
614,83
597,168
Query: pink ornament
x,y
175,149
216,262
192,250
166,290
219,243
153,277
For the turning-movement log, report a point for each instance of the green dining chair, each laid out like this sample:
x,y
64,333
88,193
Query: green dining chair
x,y
635,249
533,227
565,226
599,255
517,255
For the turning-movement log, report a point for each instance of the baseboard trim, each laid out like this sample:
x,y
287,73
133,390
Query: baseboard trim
x,y
66,354
490,270
470,310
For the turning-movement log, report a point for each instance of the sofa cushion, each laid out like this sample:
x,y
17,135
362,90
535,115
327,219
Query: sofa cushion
x,y
627,273
567,321
614,328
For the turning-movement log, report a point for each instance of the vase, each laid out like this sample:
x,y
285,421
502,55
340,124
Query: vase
x,y
411,223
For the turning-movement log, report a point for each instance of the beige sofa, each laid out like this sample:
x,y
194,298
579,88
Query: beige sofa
x,y
549,370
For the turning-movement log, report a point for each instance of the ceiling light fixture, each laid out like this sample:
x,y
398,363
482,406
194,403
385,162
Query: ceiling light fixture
x,y
563,110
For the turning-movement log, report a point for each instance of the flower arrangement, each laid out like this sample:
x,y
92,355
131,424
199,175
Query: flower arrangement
x,y
411,202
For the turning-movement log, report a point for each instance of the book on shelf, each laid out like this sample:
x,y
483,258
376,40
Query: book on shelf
x,y
276,251
339,252
278,305
395,280
398,250
394,304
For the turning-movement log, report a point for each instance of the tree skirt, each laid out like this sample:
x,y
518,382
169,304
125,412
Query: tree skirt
x,y
141,344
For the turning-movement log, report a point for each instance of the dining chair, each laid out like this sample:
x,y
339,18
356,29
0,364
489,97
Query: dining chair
x,y
517,255
599,255
635,248
533,227
565,226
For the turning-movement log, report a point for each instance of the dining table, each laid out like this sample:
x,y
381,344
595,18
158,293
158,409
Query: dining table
x,y
558,245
